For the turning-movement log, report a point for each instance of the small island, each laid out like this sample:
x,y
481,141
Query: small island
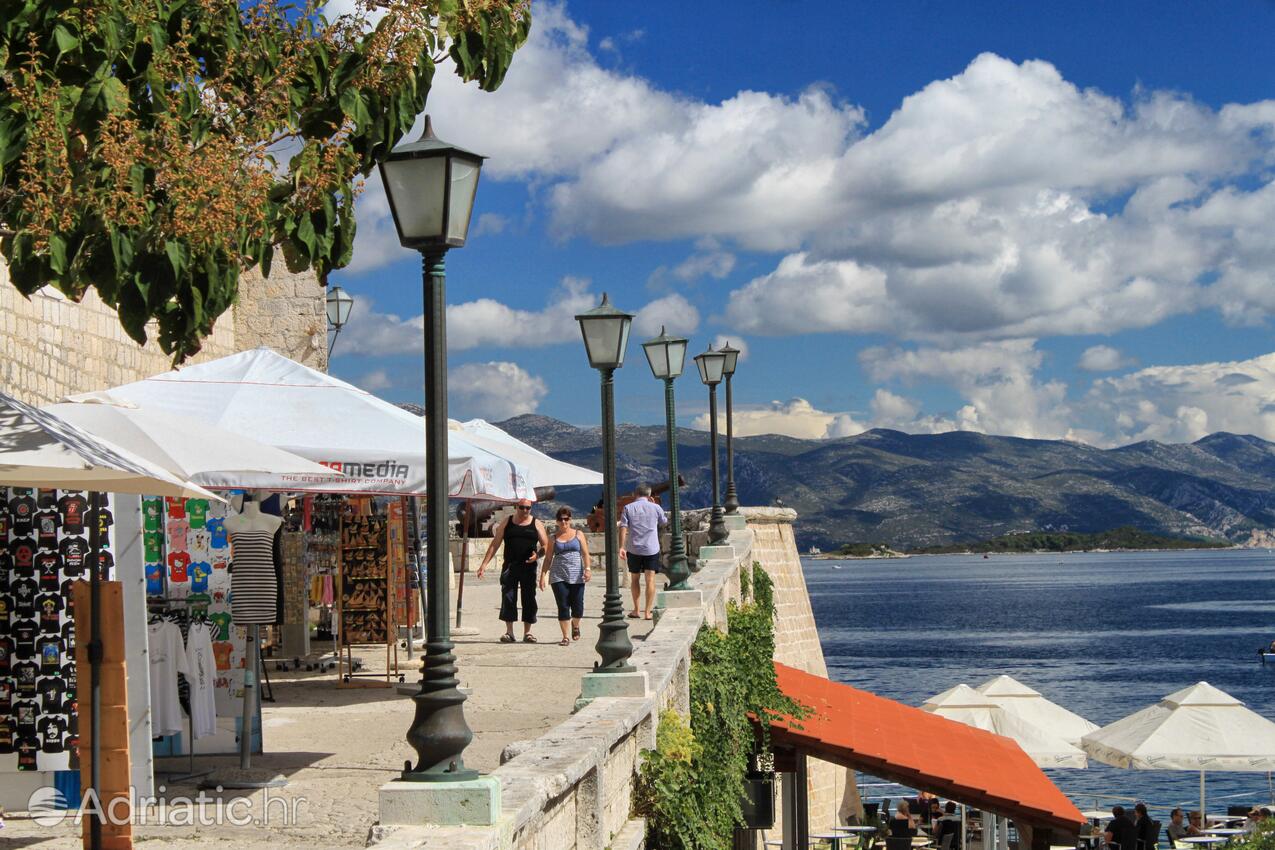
x,y
1124,538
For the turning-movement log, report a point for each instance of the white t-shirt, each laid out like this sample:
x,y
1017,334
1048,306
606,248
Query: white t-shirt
x,y
202,671
168,658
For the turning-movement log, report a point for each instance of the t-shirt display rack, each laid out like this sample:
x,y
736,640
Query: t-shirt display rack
x,y
159,607
364,598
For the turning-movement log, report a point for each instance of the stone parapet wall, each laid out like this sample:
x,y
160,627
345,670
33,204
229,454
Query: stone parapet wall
x,y
51,347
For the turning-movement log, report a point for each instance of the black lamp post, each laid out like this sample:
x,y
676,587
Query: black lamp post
x,y
667,356
728,369
606,335
338,304
431,185
711,364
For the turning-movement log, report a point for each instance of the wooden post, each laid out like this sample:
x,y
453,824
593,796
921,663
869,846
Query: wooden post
x,y
114,769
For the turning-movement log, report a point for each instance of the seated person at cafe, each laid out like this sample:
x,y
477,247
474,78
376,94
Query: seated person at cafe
x,y
1194,824
1148,833
1177,828
949,823
936,811
903,823
1121,832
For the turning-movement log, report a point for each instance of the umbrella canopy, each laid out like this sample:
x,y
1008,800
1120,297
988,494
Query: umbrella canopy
x,y
1027,704
544,470
966,705
379,448
1196,728
38,449
208,455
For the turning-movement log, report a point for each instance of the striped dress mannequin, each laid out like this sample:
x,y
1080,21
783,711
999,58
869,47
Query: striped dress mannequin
x,y
253,587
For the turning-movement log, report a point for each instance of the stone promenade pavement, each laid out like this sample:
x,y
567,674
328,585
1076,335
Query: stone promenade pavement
x,y
338,746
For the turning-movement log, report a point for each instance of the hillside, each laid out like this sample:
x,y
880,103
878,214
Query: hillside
x,y
918,490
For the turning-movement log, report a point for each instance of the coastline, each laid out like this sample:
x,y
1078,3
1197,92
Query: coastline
x,y
826,556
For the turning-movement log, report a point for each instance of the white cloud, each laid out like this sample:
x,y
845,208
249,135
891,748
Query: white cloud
x,y
672,312
377,379
721,340
1102,358
794,418
709,260
494,391
892,411
489,223
808,296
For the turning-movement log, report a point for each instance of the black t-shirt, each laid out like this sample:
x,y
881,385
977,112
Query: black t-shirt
x,y
6,697
28,749
52,691
105,519
68,597
24,675
49,566
68,632
21,514
4,519
25,713
24,633
73,507
52,730
46,527
105,563
24,591
68,675
23,551
74,551
1123,833
48,498
6,567
6,655
6,736
50,651
50,606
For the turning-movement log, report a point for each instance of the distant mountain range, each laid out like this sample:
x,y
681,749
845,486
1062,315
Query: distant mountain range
x,y
913,490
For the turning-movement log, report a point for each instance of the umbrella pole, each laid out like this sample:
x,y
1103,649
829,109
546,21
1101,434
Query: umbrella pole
x,y
95,665
464,559
1203,812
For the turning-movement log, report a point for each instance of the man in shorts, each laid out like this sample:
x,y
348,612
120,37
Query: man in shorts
x,y
640,523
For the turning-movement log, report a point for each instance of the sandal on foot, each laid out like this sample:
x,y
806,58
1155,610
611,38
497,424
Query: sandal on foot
x,y
529,639
575,634
633,615
647,616
564,642
507,638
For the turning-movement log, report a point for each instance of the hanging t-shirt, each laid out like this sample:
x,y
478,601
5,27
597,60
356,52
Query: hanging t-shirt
x,y
154,580
50,606
68,597
202,664
21,514
6,655
178,532
177,564
167,659
52,730
221,620
73,507
216,527
47,498
25,714
105,519
197,510
23,551
68,633
28,750
6,735
221,651
49,567
46,527
74,551
52,691
198,603
50,650
68,675
6,698
105,563
199,572
24,676
152,510
24,591
4,520
200,541
24,634
176,507
153,546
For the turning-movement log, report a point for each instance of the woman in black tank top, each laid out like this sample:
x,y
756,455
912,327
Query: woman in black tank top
x,y
525,541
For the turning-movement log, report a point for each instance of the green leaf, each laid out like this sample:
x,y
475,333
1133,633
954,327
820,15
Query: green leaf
x,y
57,253
65,40
114,94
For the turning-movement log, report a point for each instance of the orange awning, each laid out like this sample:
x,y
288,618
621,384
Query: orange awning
x,y
894,741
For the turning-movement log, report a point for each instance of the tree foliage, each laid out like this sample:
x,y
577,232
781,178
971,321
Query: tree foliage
x,y
153,150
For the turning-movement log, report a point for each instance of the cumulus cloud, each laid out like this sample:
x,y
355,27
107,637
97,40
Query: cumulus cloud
x,y
721,340
794,418
1102,358
672,312
377,379
494,391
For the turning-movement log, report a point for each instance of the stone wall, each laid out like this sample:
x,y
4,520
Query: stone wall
x,y
51,347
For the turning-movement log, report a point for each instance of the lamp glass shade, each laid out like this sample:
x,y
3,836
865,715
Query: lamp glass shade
x,y
666,354
732,359
338,304
710,365
431,186
606,334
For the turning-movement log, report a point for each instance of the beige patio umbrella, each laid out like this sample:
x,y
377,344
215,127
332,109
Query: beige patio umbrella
x,y
1028,704
966,705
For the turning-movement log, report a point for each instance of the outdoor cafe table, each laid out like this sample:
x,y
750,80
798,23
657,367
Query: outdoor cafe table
x,y
1203,839
1218,830
833,839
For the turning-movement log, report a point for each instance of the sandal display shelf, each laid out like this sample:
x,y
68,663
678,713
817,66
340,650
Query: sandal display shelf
x,y
364,611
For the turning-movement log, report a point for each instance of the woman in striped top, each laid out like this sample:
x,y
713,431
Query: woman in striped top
x,y
567,569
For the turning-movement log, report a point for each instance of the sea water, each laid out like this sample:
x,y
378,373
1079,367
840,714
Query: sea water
x,y
1102,634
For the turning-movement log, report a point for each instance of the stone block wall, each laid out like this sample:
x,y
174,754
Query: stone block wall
x,y
51,347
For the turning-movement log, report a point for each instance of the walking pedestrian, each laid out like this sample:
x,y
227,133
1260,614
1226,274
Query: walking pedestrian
x,y
525,542
567,569
640,546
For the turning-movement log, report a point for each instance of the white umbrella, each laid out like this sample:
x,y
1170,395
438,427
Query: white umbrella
x,y
1028,704
1197,728
39,449
545,471
379,448
966,705
205,454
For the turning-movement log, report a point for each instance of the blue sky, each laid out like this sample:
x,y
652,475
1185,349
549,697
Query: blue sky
x,y
1042,220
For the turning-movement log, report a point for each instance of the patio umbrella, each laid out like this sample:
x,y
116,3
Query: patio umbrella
x,y
544,470
1028,704
1197,728
966,705
38,449
203,453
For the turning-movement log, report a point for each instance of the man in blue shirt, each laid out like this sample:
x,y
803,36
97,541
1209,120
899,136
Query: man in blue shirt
x,y
640,523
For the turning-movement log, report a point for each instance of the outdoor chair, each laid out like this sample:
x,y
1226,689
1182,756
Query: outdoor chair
x,y
870,812
946,842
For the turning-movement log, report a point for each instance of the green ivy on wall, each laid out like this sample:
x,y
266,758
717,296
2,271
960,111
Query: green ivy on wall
x,y
689,786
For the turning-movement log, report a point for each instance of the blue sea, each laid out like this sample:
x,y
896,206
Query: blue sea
x,y
1102,634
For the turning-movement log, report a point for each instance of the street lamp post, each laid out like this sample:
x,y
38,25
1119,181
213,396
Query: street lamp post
x,y
606,334
338,304
431,185
728,369
710,365
667,356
